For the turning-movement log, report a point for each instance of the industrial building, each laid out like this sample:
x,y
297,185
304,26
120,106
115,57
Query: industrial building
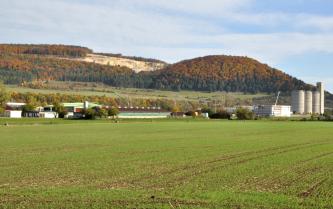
x,y
309,102
272,110
142,112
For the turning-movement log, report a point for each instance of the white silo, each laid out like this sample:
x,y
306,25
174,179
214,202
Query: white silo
x,y
316,102
320,88
297,101
308,102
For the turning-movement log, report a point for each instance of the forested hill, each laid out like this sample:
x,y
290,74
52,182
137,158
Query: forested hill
x,y
26,63
225,73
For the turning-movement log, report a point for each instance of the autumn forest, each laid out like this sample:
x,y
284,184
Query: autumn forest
x,y
26,63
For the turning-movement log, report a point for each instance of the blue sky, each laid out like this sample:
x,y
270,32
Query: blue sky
x,y
294,36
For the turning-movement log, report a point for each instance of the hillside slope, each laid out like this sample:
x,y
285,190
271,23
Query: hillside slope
x,y
77,53
26,63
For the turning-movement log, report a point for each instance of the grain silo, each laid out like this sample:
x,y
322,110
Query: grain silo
x,y
320,88
297,101
308,102
316,102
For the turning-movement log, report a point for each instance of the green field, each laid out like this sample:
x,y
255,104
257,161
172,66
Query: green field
x,y
166,164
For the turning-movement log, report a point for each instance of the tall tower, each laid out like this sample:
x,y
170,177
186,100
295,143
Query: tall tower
x,y
320,88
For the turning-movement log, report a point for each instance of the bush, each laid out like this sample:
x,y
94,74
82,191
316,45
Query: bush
x,y
89,114
221,115
207,110
314,117
60,109
328,115
102,113
28,108
2,110
244,114
113,112
4,95
191,114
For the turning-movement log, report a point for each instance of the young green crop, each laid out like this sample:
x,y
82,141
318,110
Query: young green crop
x,y
167,164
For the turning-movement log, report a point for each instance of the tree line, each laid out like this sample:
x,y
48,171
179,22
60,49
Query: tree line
x,y
44,49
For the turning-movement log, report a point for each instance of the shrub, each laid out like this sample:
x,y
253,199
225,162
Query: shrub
x,y
89,114
191,114
207,110
221,115
2,110
28,108
102,113
60,109
244,114
113,112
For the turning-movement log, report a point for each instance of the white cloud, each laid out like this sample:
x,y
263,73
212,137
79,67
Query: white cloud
x,y
211,7
323,23
171,30
275,46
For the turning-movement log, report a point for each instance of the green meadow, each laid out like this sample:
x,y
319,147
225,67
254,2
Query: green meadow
x,y
166,164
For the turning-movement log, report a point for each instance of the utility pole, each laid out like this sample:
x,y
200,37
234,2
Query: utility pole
x,y
277,98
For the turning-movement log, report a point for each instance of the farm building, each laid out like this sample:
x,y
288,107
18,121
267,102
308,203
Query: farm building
x,y
74,110
142,112
48,112
14,110
272,110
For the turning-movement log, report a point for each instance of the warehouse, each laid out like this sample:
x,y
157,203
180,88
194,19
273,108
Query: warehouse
x,y
143,112
272,110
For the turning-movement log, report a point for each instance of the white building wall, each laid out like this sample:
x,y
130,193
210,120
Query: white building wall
x,y
13,114
281,111
273,111
48,115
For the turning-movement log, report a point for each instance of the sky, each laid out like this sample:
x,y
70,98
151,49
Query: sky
x,y
295,36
